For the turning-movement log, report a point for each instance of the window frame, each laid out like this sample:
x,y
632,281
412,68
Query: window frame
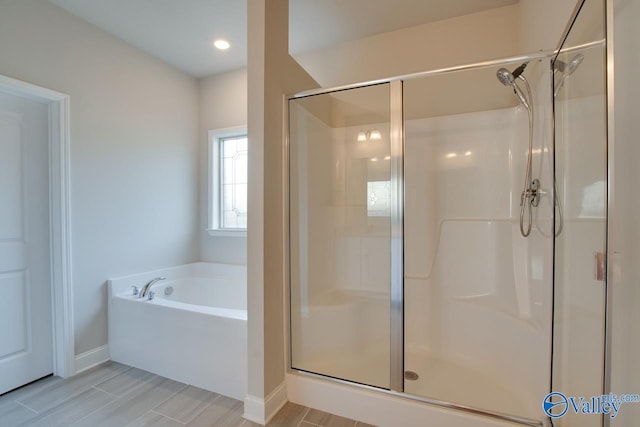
x,y
214,182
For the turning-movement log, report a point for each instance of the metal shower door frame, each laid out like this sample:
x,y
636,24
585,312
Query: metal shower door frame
x,y
397,232
397,237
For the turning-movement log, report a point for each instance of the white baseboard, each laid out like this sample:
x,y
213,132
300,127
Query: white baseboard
x,y
91,358
260,410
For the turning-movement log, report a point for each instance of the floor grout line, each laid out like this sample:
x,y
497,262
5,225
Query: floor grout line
x,y
167,416
184,386
304,416
105,391
95,410
25,406
205,408
77,392
136,419
70,397
119,398
136,384
36,390
113,375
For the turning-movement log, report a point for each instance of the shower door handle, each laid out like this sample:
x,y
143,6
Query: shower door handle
x,y
599,273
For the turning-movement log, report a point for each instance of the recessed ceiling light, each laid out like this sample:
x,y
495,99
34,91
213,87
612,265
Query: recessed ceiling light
x,y
221,44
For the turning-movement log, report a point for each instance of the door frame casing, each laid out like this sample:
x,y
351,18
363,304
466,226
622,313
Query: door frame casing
x,y
59,141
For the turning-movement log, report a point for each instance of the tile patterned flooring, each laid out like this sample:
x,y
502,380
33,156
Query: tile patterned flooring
x,y
115,395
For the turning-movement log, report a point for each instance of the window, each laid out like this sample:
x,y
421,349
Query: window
x,y
378,198
228,149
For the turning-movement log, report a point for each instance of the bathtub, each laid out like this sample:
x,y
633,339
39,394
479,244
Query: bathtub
x,y
193,331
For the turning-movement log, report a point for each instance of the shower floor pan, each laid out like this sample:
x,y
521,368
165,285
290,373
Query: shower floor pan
x,y
448,381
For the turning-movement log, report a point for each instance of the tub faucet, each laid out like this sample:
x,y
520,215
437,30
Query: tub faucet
x,y
145,289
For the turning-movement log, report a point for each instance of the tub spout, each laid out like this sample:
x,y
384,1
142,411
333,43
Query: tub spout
x,y
147,287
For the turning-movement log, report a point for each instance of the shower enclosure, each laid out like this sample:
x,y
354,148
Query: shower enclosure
x,y
439,228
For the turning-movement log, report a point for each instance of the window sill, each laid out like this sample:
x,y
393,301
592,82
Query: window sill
x,y
214,232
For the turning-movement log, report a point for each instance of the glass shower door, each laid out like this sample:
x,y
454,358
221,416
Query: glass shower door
x,y
477,292
341,206
581,215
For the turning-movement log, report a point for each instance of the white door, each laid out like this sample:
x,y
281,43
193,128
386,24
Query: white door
x,y
26,352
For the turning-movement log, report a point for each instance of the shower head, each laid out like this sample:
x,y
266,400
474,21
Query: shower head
x,y
508,78
505,77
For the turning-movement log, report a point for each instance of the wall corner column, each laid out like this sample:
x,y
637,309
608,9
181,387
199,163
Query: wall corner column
x,y
271,73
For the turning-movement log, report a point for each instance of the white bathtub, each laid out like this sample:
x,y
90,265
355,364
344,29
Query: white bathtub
x,y
197,334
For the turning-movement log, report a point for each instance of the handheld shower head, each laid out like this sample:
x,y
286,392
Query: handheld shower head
x,y
508,79
505,77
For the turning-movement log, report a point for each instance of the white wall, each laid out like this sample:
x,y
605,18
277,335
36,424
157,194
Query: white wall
x,y
271,74
542,22
462,40
134,150
625,230
223,104
525,27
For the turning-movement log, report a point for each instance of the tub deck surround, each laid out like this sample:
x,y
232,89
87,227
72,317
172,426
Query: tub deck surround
x,y
194,334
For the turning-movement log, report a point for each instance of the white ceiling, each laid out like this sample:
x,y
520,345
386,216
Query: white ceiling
x,y
180,32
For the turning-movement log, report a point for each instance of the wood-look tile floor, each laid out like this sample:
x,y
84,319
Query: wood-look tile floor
x,y
115,395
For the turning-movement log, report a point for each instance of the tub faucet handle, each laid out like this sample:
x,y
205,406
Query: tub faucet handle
x,y
151,295
135,290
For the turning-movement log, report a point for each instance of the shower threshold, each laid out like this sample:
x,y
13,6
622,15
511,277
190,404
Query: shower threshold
x,y
434,402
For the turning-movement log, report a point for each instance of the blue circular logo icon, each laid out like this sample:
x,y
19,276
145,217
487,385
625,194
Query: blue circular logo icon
x,y
555,404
